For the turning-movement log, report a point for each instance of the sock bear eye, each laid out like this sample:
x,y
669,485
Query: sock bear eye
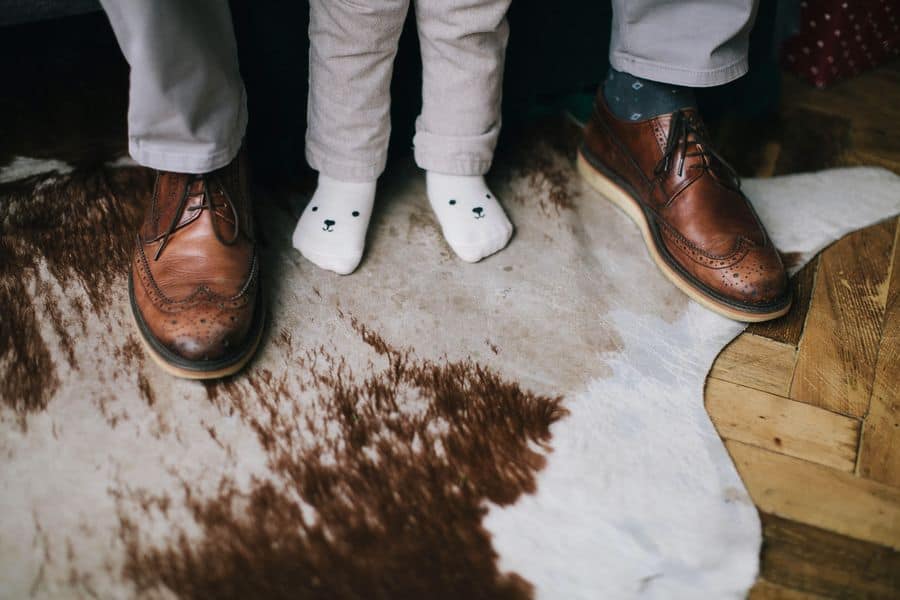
x,y
355,213
315,208
452,202
488,195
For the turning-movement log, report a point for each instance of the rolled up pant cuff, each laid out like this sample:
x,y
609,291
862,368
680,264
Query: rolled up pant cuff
x,y
675,75
452,165
344,170
455,155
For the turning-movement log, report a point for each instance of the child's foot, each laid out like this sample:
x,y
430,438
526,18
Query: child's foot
x,y
331,231
473,222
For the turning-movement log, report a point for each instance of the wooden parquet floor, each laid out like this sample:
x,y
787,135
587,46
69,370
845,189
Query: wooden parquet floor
x,y
809,405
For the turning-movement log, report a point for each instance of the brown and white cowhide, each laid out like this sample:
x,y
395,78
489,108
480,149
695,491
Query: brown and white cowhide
x,y
529,426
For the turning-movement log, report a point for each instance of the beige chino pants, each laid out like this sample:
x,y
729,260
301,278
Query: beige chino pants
x,y
695,43
188,113
187,110
352,49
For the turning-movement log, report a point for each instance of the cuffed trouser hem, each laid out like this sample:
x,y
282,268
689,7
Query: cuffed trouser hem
x,y
675,75
194,157
343,170
455,155
452,165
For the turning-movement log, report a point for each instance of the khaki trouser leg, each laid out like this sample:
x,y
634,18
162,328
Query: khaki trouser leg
x,y
463,49
695,43
351,59
187,110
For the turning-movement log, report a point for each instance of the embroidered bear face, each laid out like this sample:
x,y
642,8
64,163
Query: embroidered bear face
x,y
474,206
329,224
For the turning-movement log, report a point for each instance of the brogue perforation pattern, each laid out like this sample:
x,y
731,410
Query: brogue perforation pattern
x,y
741,249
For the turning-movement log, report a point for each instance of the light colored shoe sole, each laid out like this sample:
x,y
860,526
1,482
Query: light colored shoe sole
x,y
615,194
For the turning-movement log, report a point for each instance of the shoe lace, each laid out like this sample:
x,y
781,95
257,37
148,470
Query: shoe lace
x,y
686,132
206,203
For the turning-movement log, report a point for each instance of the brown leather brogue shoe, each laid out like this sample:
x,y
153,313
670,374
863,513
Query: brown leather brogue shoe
x,y
698,226
194,282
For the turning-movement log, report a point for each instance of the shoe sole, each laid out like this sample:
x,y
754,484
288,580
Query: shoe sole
x,y
626,202
199,370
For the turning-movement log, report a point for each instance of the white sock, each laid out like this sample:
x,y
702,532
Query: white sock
x,y
473,222
331,231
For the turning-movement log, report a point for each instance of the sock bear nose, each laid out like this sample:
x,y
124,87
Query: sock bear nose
x,y
329,223
477,210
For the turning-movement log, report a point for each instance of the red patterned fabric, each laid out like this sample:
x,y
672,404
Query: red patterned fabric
x,y
841,38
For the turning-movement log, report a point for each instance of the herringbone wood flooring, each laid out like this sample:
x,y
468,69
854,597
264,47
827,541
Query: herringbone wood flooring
x,y
809,405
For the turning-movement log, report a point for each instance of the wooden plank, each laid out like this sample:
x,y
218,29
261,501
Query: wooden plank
x,y
756,362
836,358
782,425
811,560
872,138
879,456
766,590
789,328
812,140
802,491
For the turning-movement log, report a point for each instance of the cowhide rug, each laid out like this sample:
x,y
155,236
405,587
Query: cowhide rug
x,y
530,426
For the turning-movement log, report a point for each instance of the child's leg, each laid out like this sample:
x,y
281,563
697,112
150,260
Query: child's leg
x,y
351,57
463,47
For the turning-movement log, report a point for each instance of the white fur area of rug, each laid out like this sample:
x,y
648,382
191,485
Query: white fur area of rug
x,y
640,498
364,452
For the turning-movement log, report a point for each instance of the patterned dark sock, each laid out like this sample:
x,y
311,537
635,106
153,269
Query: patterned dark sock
x,y
636,99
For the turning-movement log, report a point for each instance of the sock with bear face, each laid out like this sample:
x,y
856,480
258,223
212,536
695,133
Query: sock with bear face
x,y
331,231
471,218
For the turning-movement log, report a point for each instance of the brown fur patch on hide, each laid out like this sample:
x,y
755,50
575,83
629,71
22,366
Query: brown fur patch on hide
x,y
79,227
537,154
379,484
